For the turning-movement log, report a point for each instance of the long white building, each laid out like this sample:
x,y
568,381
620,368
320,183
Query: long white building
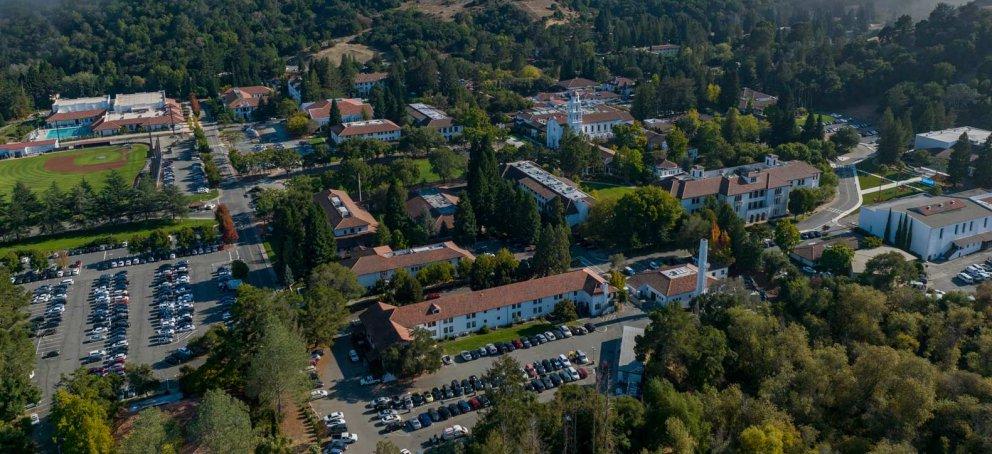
x,y
545,187
933,227
594,122
458,314
381,262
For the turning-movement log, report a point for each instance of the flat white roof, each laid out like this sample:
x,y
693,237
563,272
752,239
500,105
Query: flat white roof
x,y
550,181
429,111
952,134
150,97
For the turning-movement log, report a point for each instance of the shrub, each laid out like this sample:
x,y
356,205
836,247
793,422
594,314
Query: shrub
x,y
872,242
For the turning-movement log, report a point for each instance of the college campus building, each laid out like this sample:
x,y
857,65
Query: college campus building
x,y
426,116
594,122
24,149
545,187
629,371
123,113
364,82
352,225
245,100
757,192
753,101
381,262
352,110
382,130
933,227
458,314
440,203
947,138
678,283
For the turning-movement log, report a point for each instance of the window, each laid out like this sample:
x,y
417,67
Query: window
x,y
955,229
941,235
432,324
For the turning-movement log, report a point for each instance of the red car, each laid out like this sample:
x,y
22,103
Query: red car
x,y
517,344
583,373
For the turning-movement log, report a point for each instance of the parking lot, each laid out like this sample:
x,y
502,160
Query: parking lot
x,y
346,395
183,168
943,276
85,311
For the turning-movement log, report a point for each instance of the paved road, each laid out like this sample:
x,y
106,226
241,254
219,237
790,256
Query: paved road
x,y
341,377
234,194
847,199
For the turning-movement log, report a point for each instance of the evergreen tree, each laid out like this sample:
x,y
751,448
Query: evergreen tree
x,y
404,289
466,229
730,88
383,237
983,165
23,209
335,118
528,218
483,178
394,211
554,212
960,160
552,255
731,127
891,141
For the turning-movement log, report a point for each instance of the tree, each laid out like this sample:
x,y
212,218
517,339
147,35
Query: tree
x,y
565,311
335,276
80,424
228,231
421,354
646,217
17,349
151,433
446,163
466,228
846,138
786,235
959,164
23,209
552,255
298,124
803,200
891,141
324,313
223,424
386,447
335,115
404,289
678,145
837,259
239,269
889,270
274,376
436,273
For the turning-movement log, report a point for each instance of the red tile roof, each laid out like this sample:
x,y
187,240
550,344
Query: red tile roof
x,y
236,97
456,304
357,128
357,217
384,259
348,106
23,145
661,282
77,115
732,183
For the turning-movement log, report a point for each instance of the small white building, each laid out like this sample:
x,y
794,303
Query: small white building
x,y
629,370
426,116
364,82
595,123
244,100
545,187
381,262
24,149
351,224
461,313
676,284
382,130
933,227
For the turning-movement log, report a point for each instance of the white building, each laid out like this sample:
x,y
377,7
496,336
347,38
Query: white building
x,y
595,123
244,100
351,224
944,139
351,109
364,82
24,149
124,113
933,227
757,192
381,263
426,116
629,371
676,284
382,130
545,187
458,314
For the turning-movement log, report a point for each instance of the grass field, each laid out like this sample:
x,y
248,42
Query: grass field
x,y
33,172
474,341
193,198
888,194
604,191
71,240
427,174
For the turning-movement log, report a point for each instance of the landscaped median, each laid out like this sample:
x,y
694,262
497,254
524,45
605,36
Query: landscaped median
x,y
115,233
474,341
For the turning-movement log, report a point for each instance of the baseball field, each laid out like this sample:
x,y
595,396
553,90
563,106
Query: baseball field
x,y
67,168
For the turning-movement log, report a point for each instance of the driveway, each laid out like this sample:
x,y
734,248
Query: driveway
x,y
341,376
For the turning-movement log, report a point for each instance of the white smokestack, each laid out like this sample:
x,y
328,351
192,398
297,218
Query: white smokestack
x,y
702,265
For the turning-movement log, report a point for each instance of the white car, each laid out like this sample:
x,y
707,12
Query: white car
x,y
565,331
122,343
453,432
334,415
466,355
368,380
318,394
347,437
353,355
35,419
390,418
386,413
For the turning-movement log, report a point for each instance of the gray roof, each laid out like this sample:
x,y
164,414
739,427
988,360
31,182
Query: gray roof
x,y
627,360
969,209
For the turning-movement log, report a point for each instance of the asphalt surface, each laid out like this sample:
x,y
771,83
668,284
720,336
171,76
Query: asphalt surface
x,y
941,275
341,379
847,199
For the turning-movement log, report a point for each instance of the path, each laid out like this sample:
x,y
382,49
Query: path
x,y
847,199
890,185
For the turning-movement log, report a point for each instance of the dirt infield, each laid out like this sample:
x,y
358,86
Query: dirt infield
x,y
67,164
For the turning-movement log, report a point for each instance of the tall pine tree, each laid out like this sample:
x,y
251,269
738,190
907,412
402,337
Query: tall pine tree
x,y
960,160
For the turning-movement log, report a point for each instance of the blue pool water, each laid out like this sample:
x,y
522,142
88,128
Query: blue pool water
x,y
67,133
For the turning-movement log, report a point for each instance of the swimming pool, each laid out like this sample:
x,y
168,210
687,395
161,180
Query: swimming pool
x,y
70,132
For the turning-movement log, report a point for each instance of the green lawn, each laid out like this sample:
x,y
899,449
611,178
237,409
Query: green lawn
x,y
71,240
888,194
474,341
193,198
868,181
603,191
427,174
32,170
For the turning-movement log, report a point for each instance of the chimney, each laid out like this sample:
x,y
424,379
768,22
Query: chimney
x,y
702,265
771,160
696,172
